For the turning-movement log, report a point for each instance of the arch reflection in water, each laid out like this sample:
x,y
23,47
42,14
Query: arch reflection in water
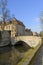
x,y
9,55
21,46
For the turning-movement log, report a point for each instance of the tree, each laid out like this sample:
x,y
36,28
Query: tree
x,y
4,12
41,33
41,20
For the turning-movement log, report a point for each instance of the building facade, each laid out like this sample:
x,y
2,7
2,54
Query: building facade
x,y
35,34
15,26
20,28
28,32
11,26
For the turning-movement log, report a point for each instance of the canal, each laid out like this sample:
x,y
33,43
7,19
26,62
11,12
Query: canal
x,y
11,55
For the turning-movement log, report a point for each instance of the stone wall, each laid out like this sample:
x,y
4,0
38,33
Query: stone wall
x,y
32,41
5,38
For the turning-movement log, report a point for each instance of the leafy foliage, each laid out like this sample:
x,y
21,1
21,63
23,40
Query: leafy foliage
x,y
41,33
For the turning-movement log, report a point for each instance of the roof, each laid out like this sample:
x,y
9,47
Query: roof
x,y
6,23
19,22
27,29
15,20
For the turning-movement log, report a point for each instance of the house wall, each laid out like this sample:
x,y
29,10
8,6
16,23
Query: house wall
x,y
20,30
11,27
35,34
28,33
8,27
16,27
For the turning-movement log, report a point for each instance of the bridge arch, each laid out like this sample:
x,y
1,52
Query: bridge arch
x,y
23,46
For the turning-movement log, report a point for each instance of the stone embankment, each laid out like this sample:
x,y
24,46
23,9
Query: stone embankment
x,y
4,38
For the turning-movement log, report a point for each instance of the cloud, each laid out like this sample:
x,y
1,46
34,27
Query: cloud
x,y
37,19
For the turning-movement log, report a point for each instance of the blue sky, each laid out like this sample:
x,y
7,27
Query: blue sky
x,y
27,11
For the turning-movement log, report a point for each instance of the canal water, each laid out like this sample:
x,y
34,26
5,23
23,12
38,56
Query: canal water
x,y
11,55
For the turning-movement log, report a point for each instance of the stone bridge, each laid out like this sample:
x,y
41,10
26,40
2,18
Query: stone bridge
x,y
32,41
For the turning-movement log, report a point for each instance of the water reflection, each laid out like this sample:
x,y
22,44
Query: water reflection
x,y
22,47
9,56
4,49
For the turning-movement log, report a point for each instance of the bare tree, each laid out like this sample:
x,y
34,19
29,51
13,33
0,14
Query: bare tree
x,y
4,12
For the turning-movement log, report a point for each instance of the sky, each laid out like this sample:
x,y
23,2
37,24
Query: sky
x,y
27,11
